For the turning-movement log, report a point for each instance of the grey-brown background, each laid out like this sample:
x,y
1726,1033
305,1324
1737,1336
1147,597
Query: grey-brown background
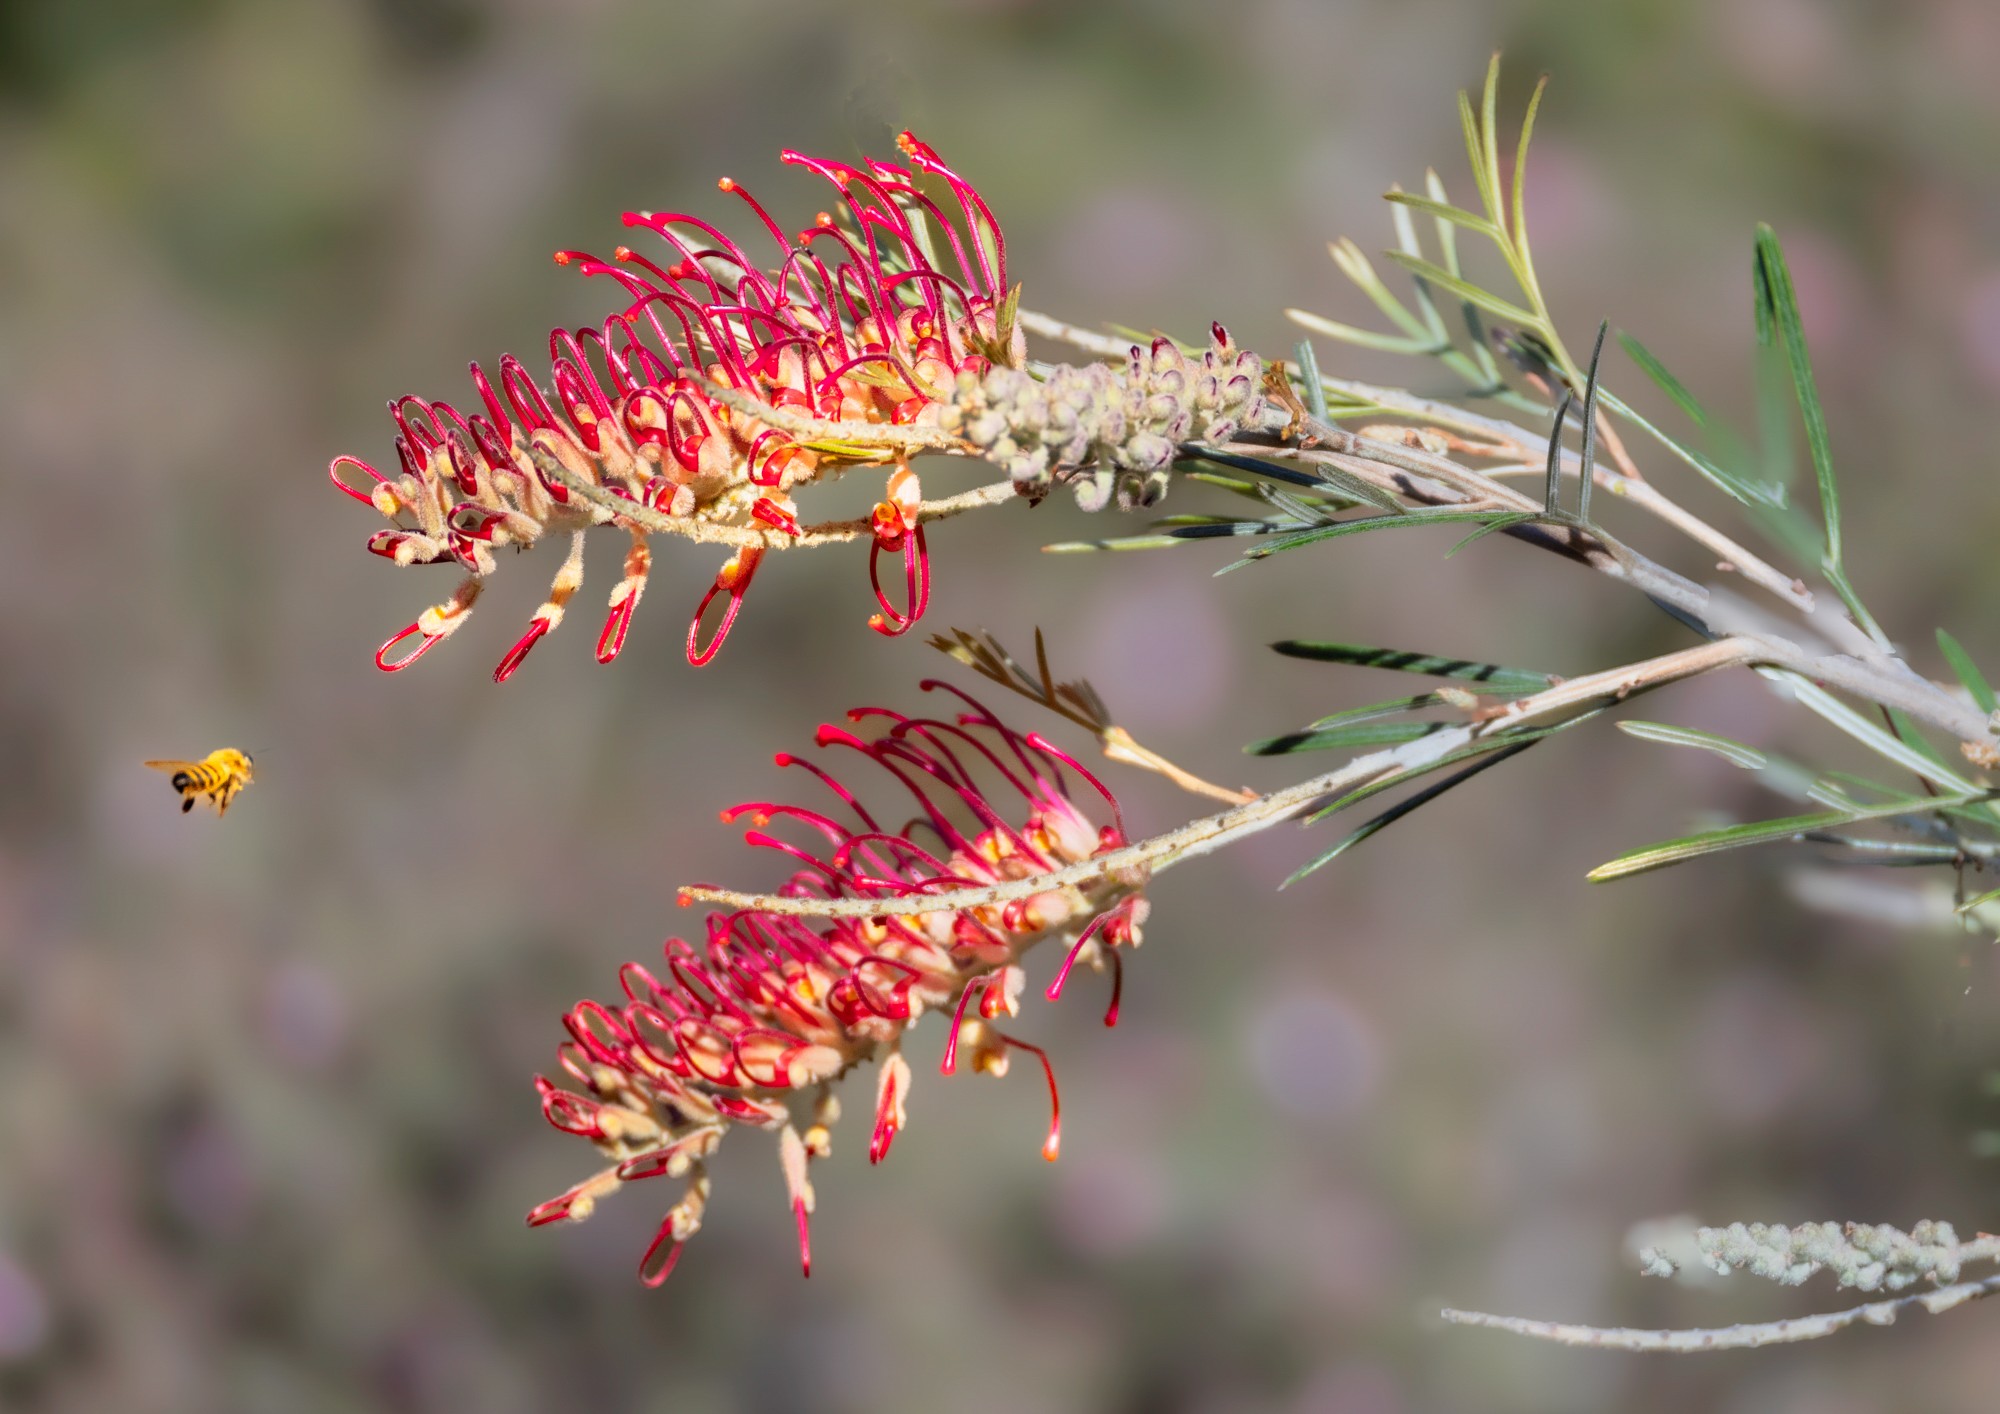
x,y
267,1127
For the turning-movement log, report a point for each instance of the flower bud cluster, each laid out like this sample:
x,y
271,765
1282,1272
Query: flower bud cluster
x,y
1103,427
753,1027
1866,1256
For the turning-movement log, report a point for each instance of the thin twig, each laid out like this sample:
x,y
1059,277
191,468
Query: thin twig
x,y
1206,835
1076,702
1741,1337
708,532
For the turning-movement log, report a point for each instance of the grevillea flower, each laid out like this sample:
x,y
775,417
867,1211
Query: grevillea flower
x,y
868,320
755,1026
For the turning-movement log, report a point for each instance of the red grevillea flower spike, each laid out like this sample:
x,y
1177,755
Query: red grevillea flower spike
x,y
755,1026
682,410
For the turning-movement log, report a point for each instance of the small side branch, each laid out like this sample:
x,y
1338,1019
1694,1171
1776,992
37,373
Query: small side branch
x,y
1740,1337
1206,835
1076,702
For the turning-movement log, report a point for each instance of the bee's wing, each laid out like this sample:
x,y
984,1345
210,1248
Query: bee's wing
x,y
173,765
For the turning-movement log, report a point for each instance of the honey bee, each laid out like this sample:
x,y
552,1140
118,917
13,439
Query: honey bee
x,y
217,776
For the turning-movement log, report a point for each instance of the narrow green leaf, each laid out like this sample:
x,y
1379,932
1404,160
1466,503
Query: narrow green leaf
x,y
1521,165
1309,377
1128,542
1377,710
1341,738
1778,313
1443,211
1506,522
1907,732
1978,901
1659,856
1447,232
1346,484
1475,151
1204,527
1466,290
1237,485
1967,671
1489,133
1728,482
1411,345
1818,700
1404,807
1476,366
1195,452
1451,758
1355,265
1735,752
1488,675
1357,526
1409,244
1667,383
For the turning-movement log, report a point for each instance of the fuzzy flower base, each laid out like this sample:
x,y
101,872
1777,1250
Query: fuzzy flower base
x,y
757,1026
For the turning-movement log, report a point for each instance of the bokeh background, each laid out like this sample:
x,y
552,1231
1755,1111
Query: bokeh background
x,y
266,1128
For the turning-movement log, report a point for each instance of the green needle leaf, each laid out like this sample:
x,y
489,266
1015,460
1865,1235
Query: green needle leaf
x,y
1678,851
1342,737
1968,672
1309,376
1735,752
1491,676
1467,291
1651,366
1406,806
1357,526
1445,211
1778,317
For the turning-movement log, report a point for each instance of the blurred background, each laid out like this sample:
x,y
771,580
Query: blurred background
x,y
265,1103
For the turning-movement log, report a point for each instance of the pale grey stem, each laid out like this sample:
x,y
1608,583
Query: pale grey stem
x,y
1210,833
1741,1337
1879,678
1642,494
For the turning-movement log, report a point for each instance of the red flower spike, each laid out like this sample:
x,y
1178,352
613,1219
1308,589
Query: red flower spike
x,y
868,321
753,1026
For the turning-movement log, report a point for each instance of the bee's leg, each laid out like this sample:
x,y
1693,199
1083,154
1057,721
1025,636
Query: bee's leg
x,y
187,804
567,581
